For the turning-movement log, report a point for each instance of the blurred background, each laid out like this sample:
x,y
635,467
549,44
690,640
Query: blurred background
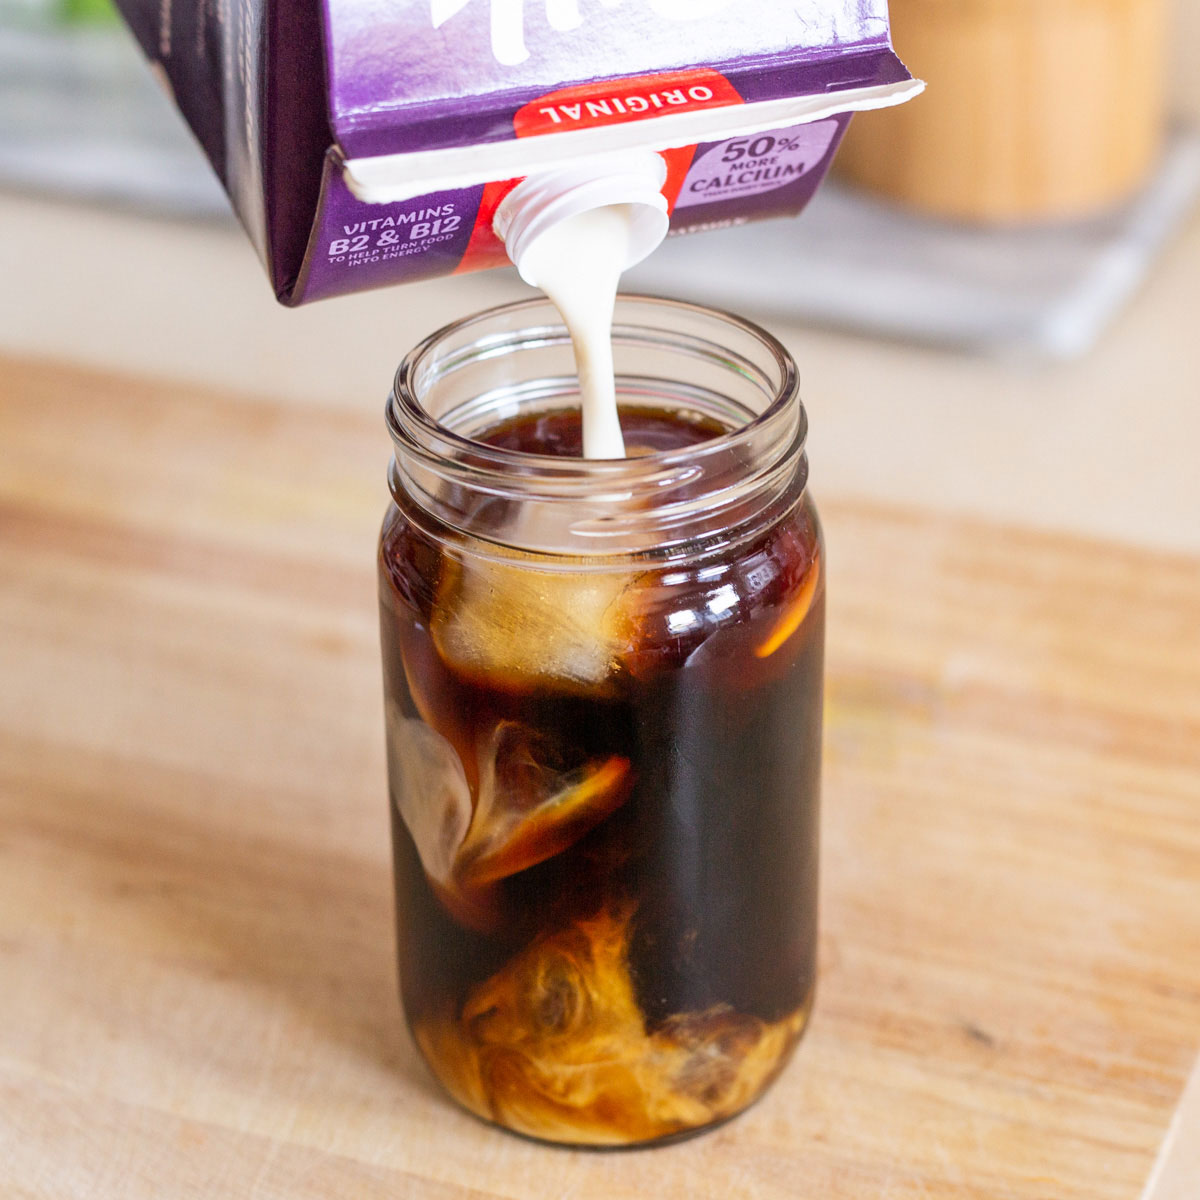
x,y
993,301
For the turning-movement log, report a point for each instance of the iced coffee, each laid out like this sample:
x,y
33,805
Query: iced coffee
x,y
604,743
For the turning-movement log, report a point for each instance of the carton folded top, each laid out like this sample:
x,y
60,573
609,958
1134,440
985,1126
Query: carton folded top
x,y
437,74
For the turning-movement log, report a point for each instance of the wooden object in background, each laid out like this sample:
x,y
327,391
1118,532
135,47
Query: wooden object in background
x,y
1034,109
1184,91
197,992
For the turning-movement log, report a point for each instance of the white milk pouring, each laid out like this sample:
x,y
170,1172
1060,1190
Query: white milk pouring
x,y
572,233
578,264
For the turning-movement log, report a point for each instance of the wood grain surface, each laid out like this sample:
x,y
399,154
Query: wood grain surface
x,y
196,967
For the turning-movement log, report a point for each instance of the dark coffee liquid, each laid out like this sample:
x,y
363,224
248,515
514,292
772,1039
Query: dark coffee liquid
x,y
607,912
560,432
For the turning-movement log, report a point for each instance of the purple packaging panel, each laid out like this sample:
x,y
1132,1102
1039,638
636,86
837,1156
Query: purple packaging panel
x,y
367,142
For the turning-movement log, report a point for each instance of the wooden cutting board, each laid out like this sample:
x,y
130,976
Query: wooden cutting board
x,y
196,969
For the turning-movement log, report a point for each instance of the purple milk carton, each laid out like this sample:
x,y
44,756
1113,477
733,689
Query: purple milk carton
x,y
369,142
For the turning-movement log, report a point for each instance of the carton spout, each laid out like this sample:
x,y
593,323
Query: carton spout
x,y
633,181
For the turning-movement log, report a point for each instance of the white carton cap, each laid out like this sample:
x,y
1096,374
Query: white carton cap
x,y
541,201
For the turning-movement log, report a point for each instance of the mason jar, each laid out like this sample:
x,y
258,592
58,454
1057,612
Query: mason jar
x,y
603,685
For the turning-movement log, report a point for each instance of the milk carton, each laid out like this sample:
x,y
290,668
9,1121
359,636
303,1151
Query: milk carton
x,y
366,143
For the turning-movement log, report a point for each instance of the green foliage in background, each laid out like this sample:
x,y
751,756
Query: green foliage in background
x,y
90,11
26,13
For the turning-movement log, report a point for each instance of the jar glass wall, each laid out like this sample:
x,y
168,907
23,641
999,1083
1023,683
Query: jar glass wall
x,y
603,686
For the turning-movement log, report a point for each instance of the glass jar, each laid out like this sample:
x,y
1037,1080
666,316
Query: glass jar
x,y
603,684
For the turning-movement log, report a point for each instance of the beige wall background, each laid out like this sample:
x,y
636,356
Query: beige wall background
x,y
1186,55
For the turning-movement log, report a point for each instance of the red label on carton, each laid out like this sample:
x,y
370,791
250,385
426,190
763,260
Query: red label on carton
x,y
619,101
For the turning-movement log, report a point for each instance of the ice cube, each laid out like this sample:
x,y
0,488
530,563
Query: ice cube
x,y
430,791
531,807
793,614
514,623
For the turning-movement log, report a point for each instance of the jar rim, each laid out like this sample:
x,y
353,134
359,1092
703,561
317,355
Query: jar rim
x,y
425,446
404,392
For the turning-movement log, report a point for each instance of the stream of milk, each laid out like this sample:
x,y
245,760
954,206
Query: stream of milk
x,y
578,264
